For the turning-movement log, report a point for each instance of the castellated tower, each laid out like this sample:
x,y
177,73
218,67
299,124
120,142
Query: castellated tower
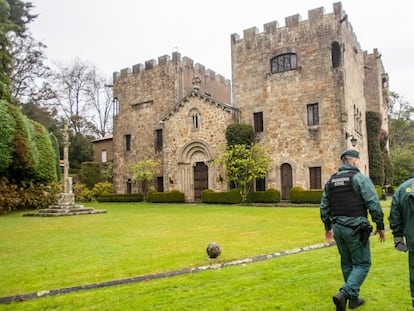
x,y
302,88
143,96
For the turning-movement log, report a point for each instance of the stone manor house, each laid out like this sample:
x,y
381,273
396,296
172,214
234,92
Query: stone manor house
x,y
304,87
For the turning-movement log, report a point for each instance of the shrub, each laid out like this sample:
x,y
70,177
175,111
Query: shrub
x,y
27,195
269,196
230,197
102,188
82,193
173,196
121,197
90,173
299,195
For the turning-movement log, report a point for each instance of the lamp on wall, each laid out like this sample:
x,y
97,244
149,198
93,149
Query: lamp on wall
x,y
354,140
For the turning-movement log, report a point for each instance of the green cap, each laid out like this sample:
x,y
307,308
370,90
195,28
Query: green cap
x,y
350,153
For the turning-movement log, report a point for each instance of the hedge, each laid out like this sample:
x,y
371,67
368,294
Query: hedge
x,y
269,196
173,196
300,195
229,197
121,197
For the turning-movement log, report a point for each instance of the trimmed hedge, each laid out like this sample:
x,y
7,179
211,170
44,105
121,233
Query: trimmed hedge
x,y
300,195
173,196
231,197
269,196
121,197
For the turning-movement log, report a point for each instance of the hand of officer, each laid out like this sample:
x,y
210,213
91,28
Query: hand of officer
x,y
329,236
381,233
399,244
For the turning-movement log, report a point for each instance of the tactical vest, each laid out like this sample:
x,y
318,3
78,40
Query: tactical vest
x,y
343,198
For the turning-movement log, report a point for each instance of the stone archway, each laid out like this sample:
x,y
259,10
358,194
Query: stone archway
x,y
194,169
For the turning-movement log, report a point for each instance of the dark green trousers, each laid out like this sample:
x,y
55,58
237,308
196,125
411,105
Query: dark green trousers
x,y
355,259
411,269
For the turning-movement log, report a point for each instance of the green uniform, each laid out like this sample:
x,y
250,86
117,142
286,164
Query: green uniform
x,y
355,257
402,222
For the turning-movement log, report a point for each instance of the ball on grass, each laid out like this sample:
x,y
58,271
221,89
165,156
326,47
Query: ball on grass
x,y
213,250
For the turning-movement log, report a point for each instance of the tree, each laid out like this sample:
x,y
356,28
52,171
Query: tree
x,y
14,16
239,134
376,161
82,98
242,164
401,126
29,74
401,137
143,172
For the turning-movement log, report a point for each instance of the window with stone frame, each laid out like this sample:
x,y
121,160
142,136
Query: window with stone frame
x,y
315,178
336,54
103,156
160,184
283,62
127,142
260,184
313,114
158,140
129,186
258,122
195,119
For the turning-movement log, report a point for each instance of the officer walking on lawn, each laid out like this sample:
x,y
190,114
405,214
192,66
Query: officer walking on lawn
x,y
402,224
347,197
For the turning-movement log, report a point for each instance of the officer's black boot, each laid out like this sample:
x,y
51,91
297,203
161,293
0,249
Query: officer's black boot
x,y
340,301
355,302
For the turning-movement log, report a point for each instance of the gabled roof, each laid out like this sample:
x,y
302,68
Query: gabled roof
x,y
196,93
108,137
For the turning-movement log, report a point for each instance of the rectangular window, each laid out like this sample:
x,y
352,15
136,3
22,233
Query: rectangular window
x,y
313,114
315,178
258,122
129,186
260,184
158,140
160,184
103,156
127,142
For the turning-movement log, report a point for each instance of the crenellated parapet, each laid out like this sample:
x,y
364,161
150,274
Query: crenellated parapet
x,y
175,60
315,17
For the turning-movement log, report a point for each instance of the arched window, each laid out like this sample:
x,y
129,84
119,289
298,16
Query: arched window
x,y
336,54
283,62
195,119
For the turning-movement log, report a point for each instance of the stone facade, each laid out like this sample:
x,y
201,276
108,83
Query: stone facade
x,y
304,87
103,150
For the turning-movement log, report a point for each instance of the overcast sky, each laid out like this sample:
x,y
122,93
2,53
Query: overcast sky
x,y
118,34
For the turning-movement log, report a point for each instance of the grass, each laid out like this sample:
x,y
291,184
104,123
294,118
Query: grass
x,y
135,239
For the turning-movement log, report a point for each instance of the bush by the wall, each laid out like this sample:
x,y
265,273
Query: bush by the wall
x,y
269,196
121,197
230,197
173,196
299,195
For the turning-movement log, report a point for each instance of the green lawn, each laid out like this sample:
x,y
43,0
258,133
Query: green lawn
x,y
136,239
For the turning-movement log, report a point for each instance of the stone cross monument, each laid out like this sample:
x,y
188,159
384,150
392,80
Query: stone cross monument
x,y
67,197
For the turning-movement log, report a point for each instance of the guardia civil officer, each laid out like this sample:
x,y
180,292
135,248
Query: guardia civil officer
x,y
402,224
347,197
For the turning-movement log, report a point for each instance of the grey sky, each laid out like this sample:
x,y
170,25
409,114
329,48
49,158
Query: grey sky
x,y
117,34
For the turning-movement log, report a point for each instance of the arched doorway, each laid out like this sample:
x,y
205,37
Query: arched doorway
x,y
286,180
200,179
